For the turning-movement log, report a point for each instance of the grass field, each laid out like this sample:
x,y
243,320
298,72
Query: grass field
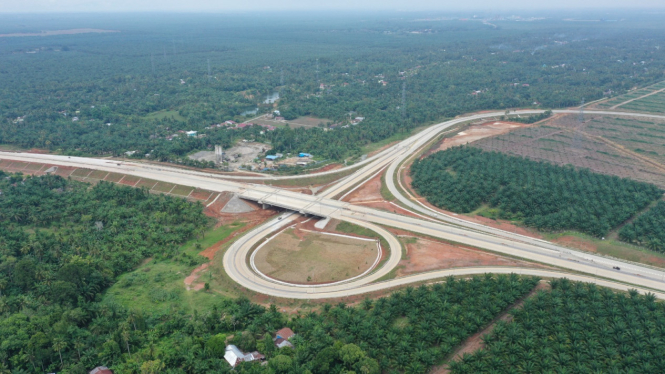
x,y
608,247
182,190
314,258
166,114
158,285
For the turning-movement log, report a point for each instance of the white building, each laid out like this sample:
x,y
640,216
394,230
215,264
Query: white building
x,y
234,356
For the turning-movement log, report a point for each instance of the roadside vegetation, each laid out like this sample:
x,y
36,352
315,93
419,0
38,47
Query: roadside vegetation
x,y
541,195
575,328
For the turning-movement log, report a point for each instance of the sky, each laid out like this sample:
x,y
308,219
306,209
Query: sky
x,y
46,6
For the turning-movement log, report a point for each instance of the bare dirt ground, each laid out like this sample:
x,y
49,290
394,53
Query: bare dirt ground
x,y
428,254
474,133
242,153
369,195
327,168
193,277
370,191
474,342
306,257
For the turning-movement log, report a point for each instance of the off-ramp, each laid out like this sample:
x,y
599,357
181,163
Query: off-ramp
x,y
578,265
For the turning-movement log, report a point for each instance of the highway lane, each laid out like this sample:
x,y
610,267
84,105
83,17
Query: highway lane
x,y
594,260
324,206
240,272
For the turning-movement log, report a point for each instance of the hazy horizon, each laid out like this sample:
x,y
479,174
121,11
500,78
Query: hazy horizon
x,y
68,6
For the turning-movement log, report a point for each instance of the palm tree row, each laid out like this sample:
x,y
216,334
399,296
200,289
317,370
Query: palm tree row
x,y
542,195
575,328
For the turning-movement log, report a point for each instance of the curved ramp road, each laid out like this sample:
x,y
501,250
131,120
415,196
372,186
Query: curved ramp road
x,y
596,269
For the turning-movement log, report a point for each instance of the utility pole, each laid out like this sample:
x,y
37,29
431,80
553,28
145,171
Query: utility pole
x,y
581,115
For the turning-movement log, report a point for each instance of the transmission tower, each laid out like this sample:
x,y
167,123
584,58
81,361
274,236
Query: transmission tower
x,y
576,131
317,70
403,99
209,74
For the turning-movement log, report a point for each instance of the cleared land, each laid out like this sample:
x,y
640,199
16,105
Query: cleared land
x,y
608,145
298,122
241,153
427,255
308,257
619,102
653,104
166,114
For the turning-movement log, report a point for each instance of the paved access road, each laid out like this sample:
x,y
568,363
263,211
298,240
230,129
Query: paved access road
x,y
235,260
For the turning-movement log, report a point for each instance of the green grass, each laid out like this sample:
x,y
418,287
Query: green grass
x,y
165,114
350,228
182,190
615,248
158,285
385,192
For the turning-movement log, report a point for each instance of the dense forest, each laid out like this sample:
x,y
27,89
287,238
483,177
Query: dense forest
x,y
133,89
575,328
647,230
542,195
63,243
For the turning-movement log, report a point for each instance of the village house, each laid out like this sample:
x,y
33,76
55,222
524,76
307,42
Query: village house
x,y
282,338
101,370
234,356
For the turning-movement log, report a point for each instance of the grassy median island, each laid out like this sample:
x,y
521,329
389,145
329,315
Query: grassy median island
x,y
307,257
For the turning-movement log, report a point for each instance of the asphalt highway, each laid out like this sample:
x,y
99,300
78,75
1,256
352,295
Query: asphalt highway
x,y
578,265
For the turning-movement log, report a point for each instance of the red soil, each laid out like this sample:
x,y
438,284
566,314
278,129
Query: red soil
x,y
327,168
370,191
200,194
427,255
193,277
